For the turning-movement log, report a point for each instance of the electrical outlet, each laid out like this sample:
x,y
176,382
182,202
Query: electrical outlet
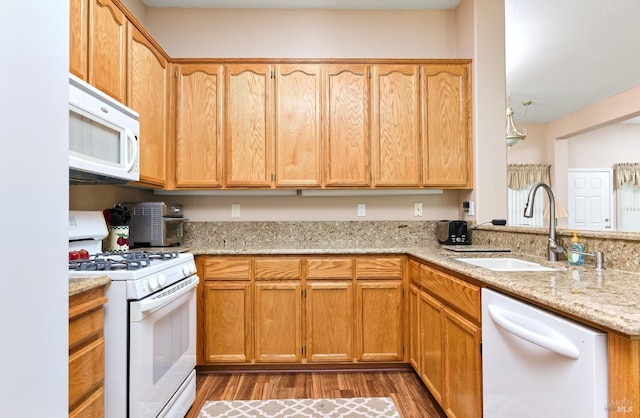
x,y
235,210
361,209
417,209
468,208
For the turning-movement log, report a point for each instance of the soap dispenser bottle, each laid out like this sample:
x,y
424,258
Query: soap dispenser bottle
x,y
576,259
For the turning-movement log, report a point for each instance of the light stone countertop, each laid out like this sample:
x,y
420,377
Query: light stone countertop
x,y
608,299
82,284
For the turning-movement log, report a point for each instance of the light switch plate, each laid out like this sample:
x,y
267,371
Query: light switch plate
x,y
361,209
417,209
235,210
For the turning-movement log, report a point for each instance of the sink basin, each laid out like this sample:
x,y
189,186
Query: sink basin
x,y
505,264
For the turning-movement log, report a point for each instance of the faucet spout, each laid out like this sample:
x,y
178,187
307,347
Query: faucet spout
x,y
553,249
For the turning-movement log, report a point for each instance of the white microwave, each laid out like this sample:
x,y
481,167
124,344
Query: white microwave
x,y
103,137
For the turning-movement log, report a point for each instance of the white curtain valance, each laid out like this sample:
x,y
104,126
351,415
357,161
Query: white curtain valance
x,y
520,176
626,173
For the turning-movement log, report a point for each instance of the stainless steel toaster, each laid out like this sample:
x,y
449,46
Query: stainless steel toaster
x,y
155,224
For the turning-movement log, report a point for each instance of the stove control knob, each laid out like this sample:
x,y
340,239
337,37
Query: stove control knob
x,y
162,280
153,282
187,269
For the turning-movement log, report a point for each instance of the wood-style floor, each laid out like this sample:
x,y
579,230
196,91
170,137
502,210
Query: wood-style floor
x,y
405,388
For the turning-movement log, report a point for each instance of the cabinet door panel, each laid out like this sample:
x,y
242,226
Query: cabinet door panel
x,y
447,122
248,125
79,38
278,322
149,96
413,317
462,367
227,326
107,49
198,127
298,135
396,126
329,312
431,342
379,335
347,149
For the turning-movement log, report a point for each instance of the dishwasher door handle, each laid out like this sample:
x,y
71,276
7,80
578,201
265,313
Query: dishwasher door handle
x,y
555,343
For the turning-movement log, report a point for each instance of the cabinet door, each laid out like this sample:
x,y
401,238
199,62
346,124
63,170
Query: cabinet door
x,y
329,309
462,377
447,126
248,125
278,326
413,312
198,127
396,126
431,345
347,143
107,49
379,335
298,135
149,96
227,321
79,38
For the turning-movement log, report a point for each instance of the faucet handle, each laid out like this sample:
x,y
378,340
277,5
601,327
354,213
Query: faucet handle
x,y
553,246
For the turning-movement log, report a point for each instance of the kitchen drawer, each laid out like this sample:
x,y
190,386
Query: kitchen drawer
x,y
454,292
86,370
329,268
277,268
93,406
216,268
85,327
379,267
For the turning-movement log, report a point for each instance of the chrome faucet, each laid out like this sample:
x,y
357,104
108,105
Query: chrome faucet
x,y
553,249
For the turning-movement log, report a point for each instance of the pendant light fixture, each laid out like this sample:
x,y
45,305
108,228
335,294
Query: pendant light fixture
x,y
514,135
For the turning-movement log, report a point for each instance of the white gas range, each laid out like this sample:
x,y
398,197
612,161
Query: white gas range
x,y
150,322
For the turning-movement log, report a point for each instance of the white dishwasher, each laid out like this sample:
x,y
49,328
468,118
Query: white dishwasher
x,y
537,364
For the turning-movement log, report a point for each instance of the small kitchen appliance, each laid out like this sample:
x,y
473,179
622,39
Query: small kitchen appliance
x,y
149,322
453,232
155,224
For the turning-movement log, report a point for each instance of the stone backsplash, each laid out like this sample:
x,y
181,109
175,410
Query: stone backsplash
x,y
621,250
309,234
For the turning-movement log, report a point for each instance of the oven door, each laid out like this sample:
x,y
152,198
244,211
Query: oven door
x,y
162,346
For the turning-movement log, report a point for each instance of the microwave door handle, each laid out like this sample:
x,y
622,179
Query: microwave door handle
x,y
131,139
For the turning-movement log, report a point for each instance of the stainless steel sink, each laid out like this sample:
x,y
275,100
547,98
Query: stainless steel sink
x,y
505,264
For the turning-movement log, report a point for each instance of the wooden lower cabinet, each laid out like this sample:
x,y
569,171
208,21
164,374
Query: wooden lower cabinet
x,y
449,344
462,366
379,320
227,322
329,308
86,353
278,323
288,309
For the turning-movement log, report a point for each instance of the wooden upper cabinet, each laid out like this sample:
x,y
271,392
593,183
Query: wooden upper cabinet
x,y
108,49
447,125
148,94
347,141
248,125
395,135
79,38
298,131
198,127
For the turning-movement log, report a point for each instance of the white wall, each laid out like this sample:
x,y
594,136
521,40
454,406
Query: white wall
x,y
34,44
533,150
604,147
262,33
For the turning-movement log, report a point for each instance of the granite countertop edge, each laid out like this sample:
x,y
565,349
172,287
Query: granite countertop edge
x,y
79,285
609,299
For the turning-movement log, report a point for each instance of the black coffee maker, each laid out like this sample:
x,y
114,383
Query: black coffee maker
x,y
453,233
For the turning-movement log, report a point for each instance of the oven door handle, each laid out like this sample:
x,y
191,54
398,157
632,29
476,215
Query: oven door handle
x,y
140,308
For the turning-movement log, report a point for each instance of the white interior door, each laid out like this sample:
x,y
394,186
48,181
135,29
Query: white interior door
x,y
590,192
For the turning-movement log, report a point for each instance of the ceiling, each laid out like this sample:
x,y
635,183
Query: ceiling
x,y
560,55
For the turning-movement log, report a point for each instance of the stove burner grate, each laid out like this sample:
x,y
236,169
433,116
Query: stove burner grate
x,y
133,260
